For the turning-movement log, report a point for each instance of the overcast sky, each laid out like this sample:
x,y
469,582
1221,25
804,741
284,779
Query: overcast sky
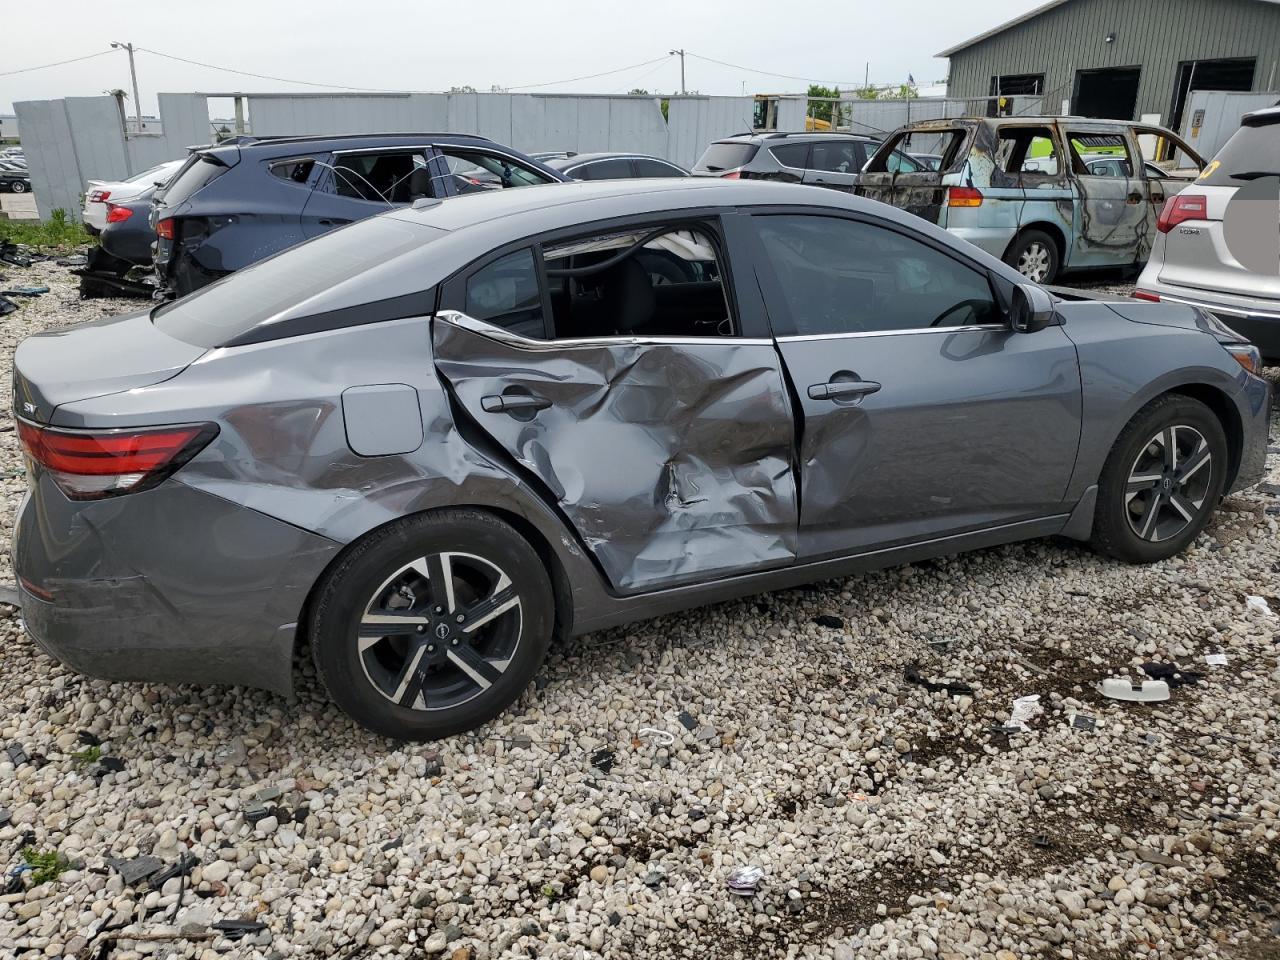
x,y
415,45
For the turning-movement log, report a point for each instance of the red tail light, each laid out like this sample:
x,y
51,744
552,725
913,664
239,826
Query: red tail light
x,y
89,465
99,196
1146,295
117,214
164,229
1182,207
964,197
732,175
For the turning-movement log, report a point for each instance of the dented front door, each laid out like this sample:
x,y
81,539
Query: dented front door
x,y
670,458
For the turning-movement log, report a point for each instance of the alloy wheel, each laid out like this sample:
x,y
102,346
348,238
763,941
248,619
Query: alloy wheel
x,y
1034,262
1168,483
440,631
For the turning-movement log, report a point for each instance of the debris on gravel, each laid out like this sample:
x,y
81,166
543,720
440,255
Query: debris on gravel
x,y
611,812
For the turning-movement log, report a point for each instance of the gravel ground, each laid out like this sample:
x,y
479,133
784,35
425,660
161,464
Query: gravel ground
x,y
888,820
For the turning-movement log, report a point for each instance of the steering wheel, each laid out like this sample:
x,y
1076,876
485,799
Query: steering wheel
x,y
974,304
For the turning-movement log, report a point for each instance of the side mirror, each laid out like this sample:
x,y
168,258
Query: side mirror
x,y
1032,308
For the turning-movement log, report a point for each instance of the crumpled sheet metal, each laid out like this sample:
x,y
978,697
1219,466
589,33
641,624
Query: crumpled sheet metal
x,y
672,460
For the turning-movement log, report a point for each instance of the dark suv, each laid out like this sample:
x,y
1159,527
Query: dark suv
x,y
240,201
822,159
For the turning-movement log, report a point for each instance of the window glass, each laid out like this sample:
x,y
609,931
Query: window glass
x,y
1251,150
603,170
646,167
726,155
1089,147
199,172
838,156
506,294
844,276
492,169
791,154
670,286
899,162
1027,150
296,171
376,177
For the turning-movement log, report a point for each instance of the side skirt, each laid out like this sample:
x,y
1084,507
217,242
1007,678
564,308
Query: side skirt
x,y
623,610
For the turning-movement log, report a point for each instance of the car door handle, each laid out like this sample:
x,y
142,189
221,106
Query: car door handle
x,y
513,403
1134,198
842,389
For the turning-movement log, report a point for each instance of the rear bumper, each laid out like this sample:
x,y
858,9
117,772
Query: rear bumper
x,y
170,585
1261,325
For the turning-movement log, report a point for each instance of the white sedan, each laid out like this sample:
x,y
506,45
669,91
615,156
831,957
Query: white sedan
x,y
98,192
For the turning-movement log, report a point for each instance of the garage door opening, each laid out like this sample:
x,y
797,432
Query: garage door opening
x,y
1110,94
1232,74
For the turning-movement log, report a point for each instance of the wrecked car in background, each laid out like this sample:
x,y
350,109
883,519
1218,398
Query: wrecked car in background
x,y
1218,246
432,440
234,204
100,194
1022,188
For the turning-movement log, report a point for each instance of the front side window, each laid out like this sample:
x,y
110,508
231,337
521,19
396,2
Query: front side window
x,y
839,276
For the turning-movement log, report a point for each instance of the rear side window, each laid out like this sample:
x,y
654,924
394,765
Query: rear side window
x,y
1027,150
229,308
295,171
198,173
791,154
1089,147
378,177
656,168
1251,150
726,155
506,293
603,170
836,156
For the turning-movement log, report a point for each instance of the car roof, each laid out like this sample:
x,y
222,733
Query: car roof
x,y
796,135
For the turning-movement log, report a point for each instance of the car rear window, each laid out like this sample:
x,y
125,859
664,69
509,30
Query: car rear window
x,y
200,171
223,311
1251,150
727,155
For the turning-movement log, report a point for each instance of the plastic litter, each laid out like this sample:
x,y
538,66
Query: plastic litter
x,y
661,737
136,870
236,929
603,760
1081,722
17,755
687,720
1024,708
78,260
7,306
1216,659
953,687
25,291
744,880
1172,674
1257,604
829,621
1118,688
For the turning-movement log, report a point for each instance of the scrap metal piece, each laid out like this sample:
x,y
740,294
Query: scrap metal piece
x,y
137,869
1081,722
1118,688
744,880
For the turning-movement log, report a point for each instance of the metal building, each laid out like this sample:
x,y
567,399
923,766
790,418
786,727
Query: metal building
x,y
1122,59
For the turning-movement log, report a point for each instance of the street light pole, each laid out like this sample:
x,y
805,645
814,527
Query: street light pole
x,y
680,54
133,75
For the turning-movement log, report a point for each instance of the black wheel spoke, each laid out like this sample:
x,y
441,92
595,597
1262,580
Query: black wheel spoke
x,y
1149,524
438,569
412,679
1140,483
482,672
390,624
490,608
1199,457
1186,509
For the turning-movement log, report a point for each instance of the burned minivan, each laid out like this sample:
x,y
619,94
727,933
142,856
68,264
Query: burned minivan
x,y
1044,194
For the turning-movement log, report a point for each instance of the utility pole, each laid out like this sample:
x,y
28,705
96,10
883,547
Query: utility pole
x,y
680,54
133,75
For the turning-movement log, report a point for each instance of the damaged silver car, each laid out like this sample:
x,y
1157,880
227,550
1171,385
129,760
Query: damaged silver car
x,y
431,441
1045,194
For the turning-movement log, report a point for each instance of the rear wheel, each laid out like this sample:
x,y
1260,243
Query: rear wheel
x,y
432,625
18,186
1161,481
1034,254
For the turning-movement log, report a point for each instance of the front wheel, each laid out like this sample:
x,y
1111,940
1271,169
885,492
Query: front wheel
x,y
1161,481
1034,254
18,187
432,625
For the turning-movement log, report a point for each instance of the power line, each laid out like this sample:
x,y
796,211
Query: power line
x,y
648,73
46,66
847,84
592,76
263,76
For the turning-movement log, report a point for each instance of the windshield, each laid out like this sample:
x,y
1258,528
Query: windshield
x,y
199,171
1251,150
225,310
726,156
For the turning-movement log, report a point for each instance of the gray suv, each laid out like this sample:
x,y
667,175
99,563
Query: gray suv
x,y
1217,246
822,159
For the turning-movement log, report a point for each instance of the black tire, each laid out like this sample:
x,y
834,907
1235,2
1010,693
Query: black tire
x,y
18,187
479,549
1123,525
1043,258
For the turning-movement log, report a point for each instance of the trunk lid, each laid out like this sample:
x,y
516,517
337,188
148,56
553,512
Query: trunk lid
x,y
1196,253
92,360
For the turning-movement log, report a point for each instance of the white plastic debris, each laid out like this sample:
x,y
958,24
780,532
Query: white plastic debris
x,y
743,880
1118,688
1258,604
661,737
1024,708
1216,659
